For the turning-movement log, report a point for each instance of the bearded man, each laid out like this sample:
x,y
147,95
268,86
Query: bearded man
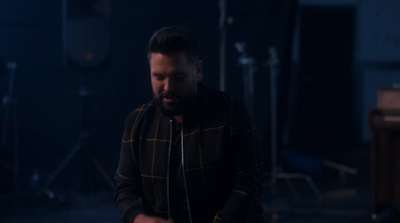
x,y
190,155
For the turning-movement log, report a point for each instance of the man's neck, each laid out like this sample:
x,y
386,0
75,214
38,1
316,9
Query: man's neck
x,y
178,118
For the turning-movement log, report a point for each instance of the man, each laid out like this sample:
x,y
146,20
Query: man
x,y
189,155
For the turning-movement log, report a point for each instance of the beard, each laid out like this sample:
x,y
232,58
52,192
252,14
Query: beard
x,y
178,107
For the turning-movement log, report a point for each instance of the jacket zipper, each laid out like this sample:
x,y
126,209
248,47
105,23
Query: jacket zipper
x,y
169,158
184,177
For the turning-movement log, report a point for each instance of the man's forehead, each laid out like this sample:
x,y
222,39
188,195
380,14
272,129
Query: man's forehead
x,y
173,54
159,58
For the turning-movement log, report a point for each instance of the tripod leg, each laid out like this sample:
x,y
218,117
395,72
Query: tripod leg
x,y
101,170
292,188
314,188
61,166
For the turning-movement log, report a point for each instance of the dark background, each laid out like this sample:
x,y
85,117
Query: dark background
x,y
334,55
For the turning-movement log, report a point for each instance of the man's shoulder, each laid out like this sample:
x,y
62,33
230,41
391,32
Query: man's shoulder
x,y
144,108
141,111
221,98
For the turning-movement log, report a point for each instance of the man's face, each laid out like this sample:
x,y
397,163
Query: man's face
x,y
174,81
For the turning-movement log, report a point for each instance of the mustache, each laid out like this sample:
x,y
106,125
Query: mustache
x,y
169,95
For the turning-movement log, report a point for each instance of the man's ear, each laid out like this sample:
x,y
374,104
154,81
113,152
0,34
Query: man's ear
x,y
199,70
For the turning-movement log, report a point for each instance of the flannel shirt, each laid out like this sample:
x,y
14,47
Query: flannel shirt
x,y
222,166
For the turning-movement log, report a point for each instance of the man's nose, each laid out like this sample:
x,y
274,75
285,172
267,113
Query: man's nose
x,y
169,84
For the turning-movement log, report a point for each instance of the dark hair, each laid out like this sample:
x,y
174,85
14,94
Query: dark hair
x,y
173,40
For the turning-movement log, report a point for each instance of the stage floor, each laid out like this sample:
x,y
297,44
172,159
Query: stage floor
x,y
337,198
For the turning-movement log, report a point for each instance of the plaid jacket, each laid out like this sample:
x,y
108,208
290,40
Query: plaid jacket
x,y
221,164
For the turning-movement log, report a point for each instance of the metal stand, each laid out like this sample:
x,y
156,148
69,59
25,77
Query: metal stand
x,y
248,67
82,144
275,175
273,63
222,55
9,102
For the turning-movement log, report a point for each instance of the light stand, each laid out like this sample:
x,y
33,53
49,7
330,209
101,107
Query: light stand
x,y
273,63
82,144
248,68
10,104
222,56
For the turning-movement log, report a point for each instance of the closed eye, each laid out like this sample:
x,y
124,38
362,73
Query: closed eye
x,y
179,76
159,77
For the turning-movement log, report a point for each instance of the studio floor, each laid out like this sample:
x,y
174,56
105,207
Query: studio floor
x,y
332,196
